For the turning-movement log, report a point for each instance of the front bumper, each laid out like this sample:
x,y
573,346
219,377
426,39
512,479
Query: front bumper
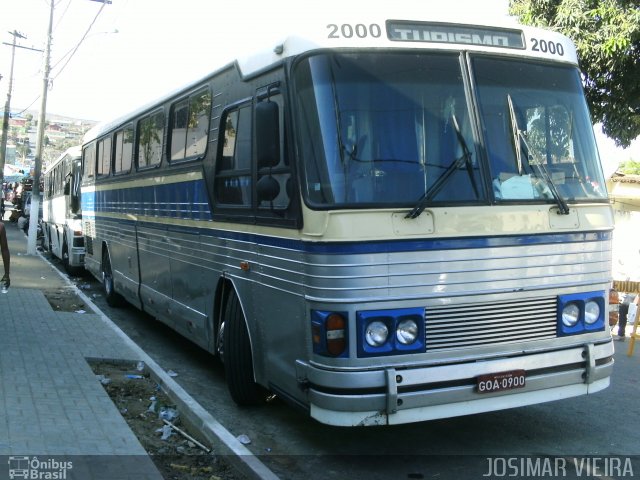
x,y
394,395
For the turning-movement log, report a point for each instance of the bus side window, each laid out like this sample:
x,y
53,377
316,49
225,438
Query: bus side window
x,y
89,161
104,157
150,136
190,126
124,150
233,169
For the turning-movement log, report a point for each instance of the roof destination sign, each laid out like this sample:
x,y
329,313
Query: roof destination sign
x,y
432,32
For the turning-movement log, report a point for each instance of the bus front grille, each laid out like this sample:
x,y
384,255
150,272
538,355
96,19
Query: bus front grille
x,y
460,326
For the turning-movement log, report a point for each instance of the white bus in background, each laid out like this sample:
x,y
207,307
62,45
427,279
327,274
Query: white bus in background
x,y
381,221
61,210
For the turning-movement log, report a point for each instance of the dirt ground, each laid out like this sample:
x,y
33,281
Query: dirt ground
x,y
177,458
142,403
65,300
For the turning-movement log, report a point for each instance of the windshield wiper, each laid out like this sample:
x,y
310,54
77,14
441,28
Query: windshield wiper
x,y
521,146
463,160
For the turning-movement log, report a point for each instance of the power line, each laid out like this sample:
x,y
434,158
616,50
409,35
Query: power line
x,y
75,49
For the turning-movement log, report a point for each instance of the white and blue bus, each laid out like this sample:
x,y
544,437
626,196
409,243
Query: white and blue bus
x,y
383,221
61,210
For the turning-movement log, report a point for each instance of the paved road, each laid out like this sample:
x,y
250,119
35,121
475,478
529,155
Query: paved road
x,y
604,427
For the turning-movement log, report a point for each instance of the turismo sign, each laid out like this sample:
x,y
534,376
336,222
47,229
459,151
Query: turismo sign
x,y
401,31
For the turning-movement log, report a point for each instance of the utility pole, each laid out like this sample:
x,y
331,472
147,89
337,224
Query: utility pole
x,y
35,191
7,107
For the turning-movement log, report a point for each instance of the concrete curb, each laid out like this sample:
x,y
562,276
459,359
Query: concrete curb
x,y
236,453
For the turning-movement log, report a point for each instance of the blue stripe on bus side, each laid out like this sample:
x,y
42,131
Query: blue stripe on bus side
x,y
184,200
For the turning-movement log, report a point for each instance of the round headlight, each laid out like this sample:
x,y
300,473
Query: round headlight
x,y
570,315
407,332
591,312
376,334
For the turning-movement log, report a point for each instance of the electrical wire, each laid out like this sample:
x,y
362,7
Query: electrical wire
x,y
72,53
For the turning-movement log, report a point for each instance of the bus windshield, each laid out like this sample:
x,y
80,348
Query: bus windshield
x,y
394,129
536,123
385,129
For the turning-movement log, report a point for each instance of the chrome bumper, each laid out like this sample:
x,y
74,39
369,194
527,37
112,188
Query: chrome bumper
x,y
424,393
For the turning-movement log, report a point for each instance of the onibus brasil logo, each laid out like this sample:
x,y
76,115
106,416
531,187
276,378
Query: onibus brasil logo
x,y
37,469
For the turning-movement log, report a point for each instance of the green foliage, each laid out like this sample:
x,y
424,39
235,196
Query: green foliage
x,y
630,167
607,37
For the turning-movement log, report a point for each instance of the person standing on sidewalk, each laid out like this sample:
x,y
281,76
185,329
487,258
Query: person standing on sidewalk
x,y
6,256
623,313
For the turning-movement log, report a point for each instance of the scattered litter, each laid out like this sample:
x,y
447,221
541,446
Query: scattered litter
x,y
153,406
168,413
140,366
43,277
267,450
243,439
133,376
103,380
123,411
166,432
171,373
80,311
185,435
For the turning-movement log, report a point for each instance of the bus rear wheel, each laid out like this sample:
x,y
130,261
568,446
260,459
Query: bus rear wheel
x,y
73,271
237,356
113,299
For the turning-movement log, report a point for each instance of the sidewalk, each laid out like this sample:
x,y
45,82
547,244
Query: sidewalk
x,y
52,405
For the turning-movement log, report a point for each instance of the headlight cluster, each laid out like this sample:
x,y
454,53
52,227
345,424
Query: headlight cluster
x,y
390,332
580,313
380,332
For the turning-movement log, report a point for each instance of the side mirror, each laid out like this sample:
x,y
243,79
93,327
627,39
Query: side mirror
x,y
267,134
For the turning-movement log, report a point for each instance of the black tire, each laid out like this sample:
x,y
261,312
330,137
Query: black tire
x,y
113,299
238,360
72,271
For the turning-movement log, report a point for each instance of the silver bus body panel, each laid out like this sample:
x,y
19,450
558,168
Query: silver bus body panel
x,y
487,277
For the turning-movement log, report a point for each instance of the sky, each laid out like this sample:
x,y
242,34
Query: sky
x,y
138,50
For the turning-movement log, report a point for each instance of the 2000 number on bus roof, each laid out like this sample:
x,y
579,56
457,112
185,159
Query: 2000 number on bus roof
x,y
496,382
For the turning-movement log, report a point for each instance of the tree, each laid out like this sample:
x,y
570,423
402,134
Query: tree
x,y
630,167
607,37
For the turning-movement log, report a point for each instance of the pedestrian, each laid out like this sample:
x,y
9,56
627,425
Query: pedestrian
x,y
6,257
627,299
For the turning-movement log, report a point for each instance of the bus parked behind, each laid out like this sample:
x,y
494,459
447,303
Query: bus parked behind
x,y
62,212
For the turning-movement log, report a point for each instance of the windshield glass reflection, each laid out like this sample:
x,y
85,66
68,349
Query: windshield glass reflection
x,y
381,129
549,112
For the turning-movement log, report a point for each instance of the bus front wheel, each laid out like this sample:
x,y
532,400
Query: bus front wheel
x,y
237,357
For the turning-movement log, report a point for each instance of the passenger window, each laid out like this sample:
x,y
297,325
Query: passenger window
x,y
151,133
124,150
190,126
89,159
104,157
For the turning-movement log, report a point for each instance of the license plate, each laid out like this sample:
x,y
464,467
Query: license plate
x,y
497,382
